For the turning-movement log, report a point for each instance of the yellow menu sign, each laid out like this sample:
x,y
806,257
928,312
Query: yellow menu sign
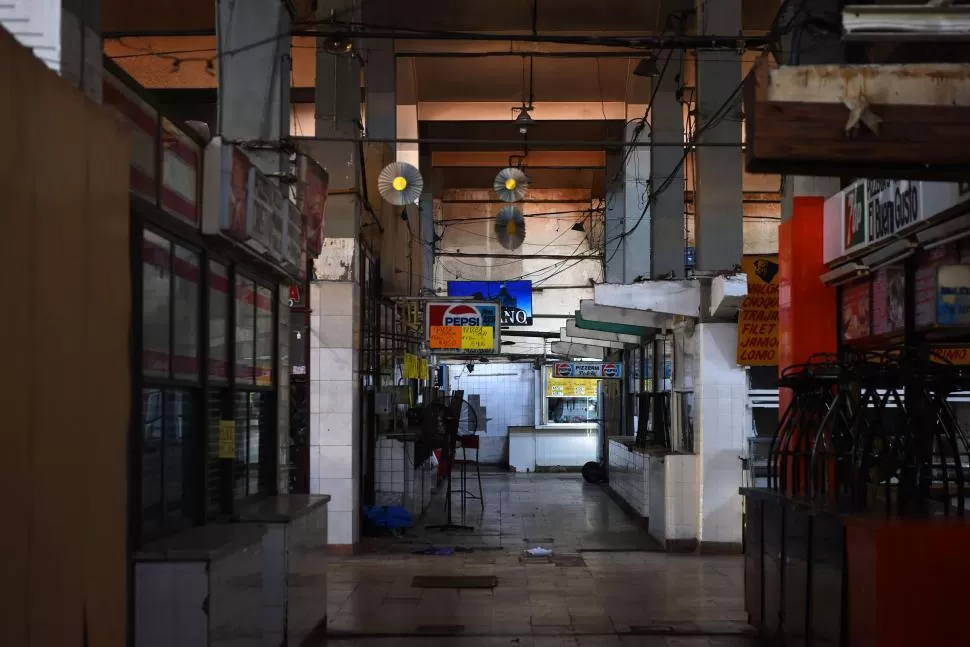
x,y
758,315
572,387
227,439
462,337
411,367
445,337
477,338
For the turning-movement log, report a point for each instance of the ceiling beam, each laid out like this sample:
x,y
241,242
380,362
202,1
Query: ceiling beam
x,y
574,350
503,110
900,121
590,341
574,331
492,159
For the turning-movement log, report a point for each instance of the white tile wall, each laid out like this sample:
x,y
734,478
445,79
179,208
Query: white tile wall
x,y
398,483
630,476
334,405
507,393
657,495
721,395
681,498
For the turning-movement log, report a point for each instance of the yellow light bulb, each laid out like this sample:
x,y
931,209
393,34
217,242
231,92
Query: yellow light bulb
x,y
399,183
510,184
510,228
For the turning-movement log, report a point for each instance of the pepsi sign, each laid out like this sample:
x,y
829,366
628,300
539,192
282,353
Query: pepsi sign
x,y
462,327
462,315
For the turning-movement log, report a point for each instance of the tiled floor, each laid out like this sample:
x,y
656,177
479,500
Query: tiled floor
x,y
626,593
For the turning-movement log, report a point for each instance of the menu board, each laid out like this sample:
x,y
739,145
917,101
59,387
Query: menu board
x,y
888,301
571,387
856,316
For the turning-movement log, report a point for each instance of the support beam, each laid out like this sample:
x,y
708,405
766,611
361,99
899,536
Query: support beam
x,y
578,351
591,342
682,298
572,330
623,316
502,110
902,121
605,326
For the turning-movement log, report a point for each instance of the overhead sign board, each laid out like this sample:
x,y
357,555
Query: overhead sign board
x,y
515,297
758,316
462,327
869,212
243,204
608,370
313,185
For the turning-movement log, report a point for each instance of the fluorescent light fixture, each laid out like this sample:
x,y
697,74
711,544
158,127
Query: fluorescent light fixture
x,y
906,22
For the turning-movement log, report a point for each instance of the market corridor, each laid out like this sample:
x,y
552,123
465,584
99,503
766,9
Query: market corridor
x,y
606,583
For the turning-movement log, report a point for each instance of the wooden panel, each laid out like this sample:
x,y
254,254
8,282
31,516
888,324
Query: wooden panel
x,y
107,292
808,137
15,328
65,396
56,155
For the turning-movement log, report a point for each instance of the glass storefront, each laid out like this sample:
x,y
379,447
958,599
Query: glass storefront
x,y
189,389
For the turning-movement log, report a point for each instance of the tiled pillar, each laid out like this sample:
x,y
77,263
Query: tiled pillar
x,y
720,396
335,406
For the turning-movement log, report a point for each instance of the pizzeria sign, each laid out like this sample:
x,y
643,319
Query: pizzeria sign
x,y
608,370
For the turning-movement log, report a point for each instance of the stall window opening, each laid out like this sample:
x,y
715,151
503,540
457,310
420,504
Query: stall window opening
x,y
254,406
570,400
172,493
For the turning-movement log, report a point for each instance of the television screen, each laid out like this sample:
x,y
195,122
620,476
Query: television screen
x,y
514,296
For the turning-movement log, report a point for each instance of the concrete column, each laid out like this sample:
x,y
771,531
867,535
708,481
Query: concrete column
x,y
427,230
638,213
667,126
81,46
718,199
380,84
254,78
614,220
335,446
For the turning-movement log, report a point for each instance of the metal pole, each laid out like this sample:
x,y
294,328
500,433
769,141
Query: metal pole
x,y
451,141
